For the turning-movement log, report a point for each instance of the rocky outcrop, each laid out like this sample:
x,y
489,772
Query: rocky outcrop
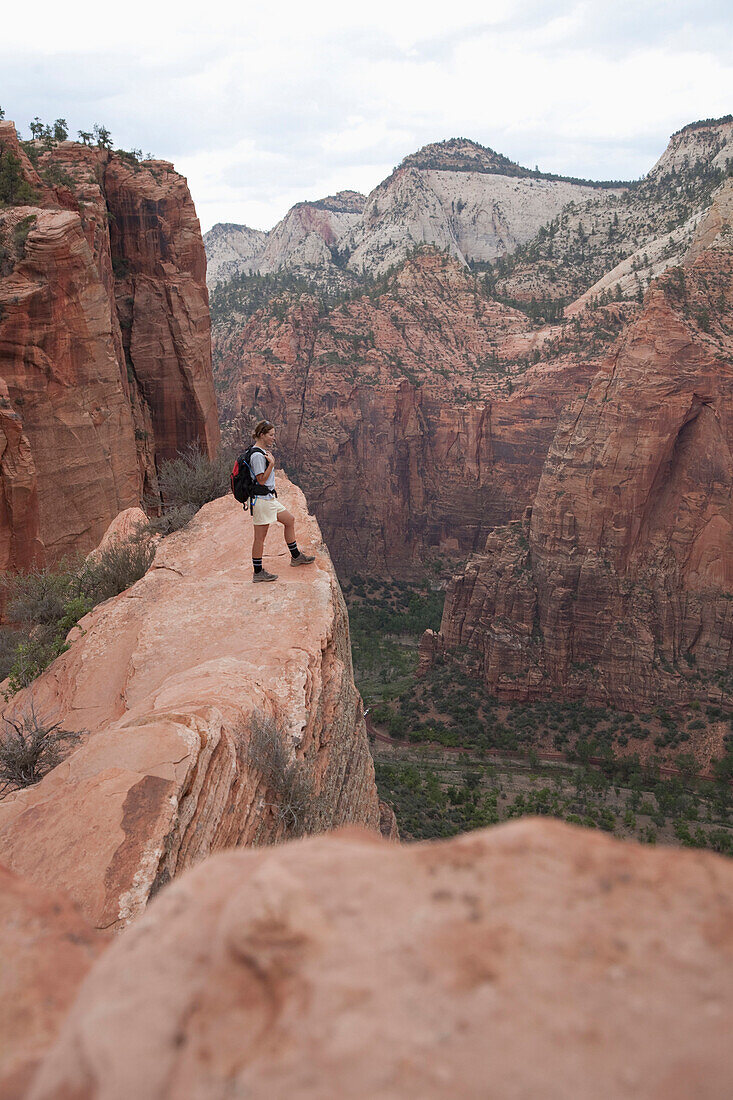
x,y
170,682
310,236
47,948
621,586
613,244
474,215
104,344
532,959
419,412
232,250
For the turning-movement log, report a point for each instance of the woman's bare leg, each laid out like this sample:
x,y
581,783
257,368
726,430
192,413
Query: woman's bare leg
x,y
258,543
288,523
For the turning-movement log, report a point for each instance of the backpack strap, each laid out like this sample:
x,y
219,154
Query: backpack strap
x,y
263,491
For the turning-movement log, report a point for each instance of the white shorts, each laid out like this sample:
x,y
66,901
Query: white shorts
x,y
266,510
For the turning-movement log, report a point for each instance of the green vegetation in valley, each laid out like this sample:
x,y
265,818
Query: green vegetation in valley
x,y
460,758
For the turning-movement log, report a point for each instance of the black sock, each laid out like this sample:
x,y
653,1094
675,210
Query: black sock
x,y
293,548
257,563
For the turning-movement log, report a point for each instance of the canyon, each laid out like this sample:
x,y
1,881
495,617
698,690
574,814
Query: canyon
x,y
416,412
104,342
521,402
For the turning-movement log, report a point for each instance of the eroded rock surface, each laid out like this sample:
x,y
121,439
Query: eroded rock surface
x,y
166,678
47,948
532,959
104,344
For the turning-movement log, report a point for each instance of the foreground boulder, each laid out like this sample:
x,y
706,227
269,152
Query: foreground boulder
x,y
172,680
533,959
47,948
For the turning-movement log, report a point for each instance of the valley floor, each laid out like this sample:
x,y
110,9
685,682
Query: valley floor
x,y
450,757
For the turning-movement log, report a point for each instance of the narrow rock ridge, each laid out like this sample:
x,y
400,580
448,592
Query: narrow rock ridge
x,y
170,679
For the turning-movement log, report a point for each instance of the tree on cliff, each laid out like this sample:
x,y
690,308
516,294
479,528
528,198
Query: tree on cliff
x,y
60,130
103,136
14,188
2,114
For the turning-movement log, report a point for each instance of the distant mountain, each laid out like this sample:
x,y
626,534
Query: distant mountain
x,y
307,238
456,194
613,244
535,235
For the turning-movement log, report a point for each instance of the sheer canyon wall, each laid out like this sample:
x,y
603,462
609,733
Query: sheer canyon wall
x,y
619,584
105,360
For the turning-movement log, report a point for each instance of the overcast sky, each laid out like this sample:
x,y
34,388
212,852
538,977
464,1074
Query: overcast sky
x,y
265,105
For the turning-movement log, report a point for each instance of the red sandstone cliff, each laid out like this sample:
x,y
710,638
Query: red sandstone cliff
x,y
104,344
621,585
412,417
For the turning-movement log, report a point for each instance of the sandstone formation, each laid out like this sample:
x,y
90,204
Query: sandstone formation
x,y
621,585
416,418
173,683
532,959
104,344
47,948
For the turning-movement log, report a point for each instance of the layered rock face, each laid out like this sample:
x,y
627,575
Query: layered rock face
x,y
215,713
104,344
621,585
411,417
533,959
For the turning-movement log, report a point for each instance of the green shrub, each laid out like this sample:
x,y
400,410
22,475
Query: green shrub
x,y
10,639
192,479
115,568
21,232
29,748
289,782
48,603
14,190
38,597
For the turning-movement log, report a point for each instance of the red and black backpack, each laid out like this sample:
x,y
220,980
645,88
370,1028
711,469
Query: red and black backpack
x,y
243,481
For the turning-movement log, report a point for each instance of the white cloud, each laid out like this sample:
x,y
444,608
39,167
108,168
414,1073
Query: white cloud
x,y
264,105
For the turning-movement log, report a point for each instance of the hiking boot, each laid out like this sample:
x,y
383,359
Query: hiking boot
x,y
263,575
302,559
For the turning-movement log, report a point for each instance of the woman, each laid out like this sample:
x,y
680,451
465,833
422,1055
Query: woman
x,y
267,508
